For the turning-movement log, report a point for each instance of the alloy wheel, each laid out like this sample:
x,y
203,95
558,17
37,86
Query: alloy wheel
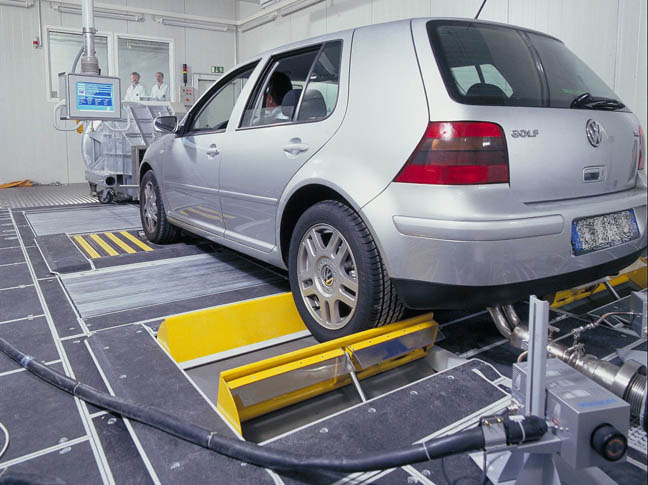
x,y
326,271
150,207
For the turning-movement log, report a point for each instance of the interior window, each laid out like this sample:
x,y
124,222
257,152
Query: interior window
x,y
216,113
144,69
493,76
465,76
322,89
281,88
468,76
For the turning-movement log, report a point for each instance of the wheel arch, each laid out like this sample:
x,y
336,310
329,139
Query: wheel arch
x,y
303,198
144,167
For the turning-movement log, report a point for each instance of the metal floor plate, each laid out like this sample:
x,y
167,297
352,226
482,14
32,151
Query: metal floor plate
x,y
132,286
84,220
46,195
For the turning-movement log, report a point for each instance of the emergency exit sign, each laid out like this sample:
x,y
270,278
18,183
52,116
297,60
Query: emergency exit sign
x,y
217,69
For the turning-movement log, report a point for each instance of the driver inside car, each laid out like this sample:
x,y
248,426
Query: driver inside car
x,y
277,88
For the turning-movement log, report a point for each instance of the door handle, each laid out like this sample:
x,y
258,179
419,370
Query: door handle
x,y
212,151
295,147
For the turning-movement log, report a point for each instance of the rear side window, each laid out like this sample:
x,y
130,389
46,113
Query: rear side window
x,y
321,93
495,65
301,86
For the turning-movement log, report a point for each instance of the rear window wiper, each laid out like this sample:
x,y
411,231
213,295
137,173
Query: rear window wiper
x,y
586,100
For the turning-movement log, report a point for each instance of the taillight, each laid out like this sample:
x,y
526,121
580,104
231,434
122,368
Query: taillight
x,y
641,161
458,153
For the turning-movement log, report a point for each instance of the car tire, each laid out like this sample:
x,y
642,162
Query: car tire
x,y
156,226
337,276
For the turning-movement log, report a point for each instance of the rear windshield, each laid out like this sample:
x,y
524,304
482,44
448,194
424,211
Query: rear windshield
x,y
496,65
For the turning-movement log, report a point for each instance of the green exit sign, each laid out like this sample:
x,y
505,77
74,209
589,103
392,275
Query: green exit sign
x,y
217,69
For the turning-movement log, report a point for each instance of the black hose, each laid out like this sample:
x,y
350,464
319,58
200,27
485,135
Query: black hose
x,y
9,477
461,442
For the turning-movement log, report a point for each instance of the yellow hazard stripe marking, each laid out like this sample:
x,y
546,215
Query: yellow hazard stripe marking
x,y
119,243
204,214
103,245
136,241
86,247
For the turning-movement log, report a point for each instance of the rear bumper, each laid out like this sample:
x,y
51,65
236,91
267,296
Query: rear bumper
x,y
484,237
423,295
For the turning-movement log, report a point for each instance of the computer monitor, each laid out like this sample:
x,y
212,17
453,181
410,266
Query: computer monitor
x,y
91,97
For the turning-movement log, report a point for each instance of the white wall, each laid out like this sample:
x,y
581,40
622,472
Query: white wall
x,y
610,35
29,145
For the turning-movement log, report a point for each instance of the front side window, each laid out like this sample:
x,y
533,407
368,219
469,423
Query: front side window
x,y
302,86
215,115
496,65
276,100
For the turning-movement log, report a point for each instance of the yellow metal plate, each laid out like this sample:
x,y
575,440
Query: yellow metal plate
x,y
204,333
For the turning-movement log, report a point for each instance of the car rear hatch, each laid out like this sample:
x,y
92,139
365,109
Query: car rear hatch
x,y
526,82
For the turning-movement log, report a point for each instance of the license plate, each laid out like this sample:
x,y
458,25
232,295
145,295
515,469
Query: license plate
x,y
601,232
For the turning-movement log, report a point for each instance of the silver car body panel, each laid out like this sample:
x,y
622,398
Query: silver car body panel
x,y
390,89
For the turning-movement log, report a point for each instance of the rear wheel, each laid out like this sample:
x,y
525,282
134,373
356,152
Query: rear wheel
x,y
154,222
337,276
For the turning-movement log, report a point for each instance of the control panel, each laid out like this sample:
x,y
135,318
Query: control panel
x,y
89,97
187,95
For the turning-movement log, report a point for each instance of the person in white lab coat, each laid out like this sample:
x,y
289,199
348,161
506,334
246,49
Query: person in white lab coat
x,y
160,90
135,91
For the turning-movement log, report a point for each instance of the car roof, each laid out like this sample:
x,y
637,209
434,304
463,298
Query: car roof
x,y
384,25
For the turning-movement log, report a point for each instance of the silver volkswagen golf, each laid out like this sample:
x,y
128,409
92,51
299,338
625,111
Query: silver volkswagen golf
x,y
426,163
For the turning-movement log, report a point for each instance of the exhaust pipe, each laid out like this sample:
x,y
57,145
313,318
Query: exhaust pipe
x,y
627,381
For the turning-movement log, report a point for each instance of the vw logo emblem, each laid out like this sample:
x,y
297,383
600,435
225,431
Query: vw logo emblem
x,y
594,133
328,277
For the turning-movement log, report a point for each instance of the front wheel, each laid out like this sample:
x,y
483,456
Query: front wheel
x,y
154,222
337,276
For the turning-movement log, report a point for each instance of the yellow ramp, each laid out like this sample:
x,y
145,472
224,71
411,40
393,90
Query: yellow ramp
x,y
199,335
261,387
636,273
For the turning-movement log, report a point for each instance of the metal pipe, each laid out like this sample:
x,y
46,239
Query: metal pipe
x,y
627,381
89,61
500,321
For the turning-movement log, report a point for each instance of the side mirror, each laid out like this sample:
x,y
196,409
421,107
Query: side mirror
x,y
165,124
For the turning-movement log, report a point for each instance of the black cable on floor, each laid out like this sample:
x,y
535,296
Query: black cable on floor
x,y
531,428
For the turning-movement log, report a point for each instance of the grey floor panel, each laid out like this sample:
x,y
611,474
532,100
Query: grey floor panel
x,y
123,458
394,420
73,465
139,370
11,255
36,414
63,315
83,367
9,241
61,254
89,219
135,286
27,235
15,275
32,337
19,303
38,263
